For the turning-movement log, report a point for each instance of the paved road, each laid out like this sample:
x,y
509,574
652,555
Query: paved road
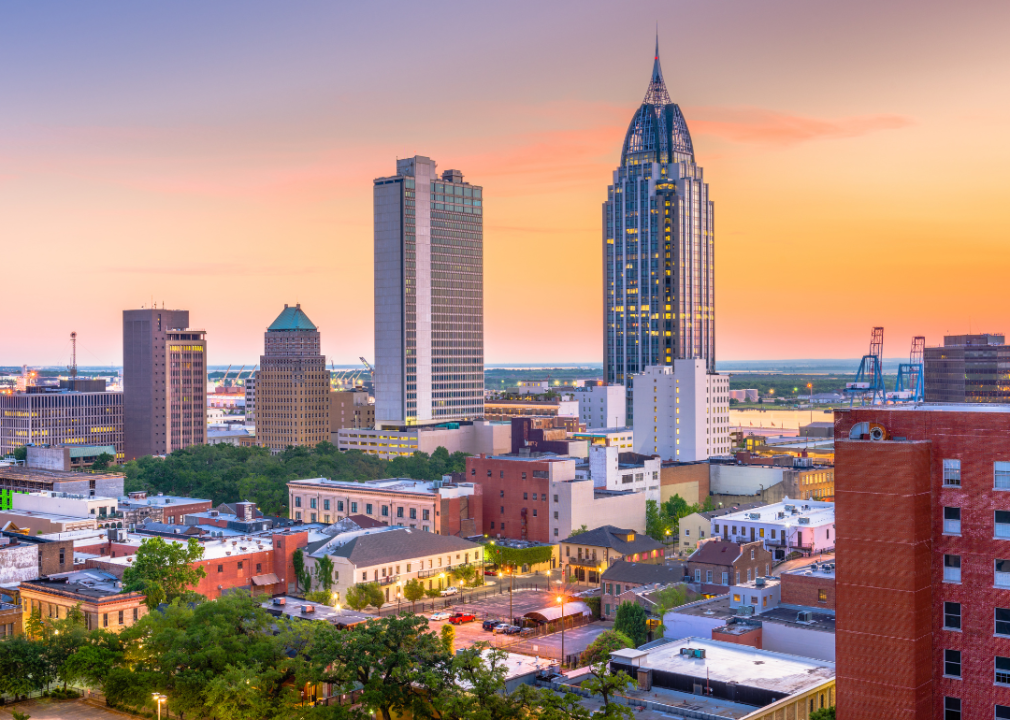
x,y
45,709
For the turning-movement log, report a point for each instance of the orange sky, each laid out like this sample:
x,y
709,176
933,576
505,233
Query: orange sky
x,y
221,160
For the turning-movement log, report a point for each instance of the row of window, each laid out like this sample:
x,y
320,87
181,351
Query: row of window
x,y
952,571
952,710
383,509
1000,473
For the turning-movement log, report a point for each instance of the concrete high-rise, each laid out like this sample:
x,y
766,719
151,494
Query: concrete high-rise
x,y
968,369
658,247
292,384
164,382
429,296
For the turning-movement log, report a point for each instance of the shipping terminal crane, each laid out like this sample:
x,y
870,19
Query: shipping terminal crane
x,y
911,374
870,376
371,370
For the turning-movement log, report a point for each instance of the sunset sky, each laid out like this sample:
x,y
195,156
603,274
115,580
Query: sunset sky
x,y
219,157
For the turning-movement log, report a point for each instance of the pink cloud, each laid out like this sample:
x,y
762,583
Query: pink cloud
x,y
757,126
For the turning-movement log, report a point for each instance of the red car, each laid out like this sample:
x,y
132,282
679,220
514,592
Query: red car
x,y
461,617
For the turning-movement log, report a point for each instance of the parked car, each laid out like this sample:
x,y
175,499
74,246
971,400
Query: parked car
x,y
506,629
451,590
462,617
527,631
441,616
491,624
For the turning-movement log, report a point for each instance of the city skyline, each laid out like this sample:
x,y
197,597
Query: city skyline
x,y
820,133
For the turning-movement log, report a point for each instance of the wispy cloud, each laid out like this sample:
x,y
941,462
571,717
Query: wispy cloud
x,y
758,126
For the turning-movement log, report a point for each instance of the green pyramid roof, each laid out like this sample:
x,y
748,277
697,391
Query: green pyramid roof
x,y
292,318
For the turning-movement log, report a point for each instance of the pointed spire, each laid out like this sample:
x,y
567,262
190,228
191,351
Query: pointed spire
x,y
657,94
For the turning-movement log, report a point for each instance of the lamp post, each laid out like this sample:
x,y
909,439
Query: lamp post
x,y
159,699
561,599
512,586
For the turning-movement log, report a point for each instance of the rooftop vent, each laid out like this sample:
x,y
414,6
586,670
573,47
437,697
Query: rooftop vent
x,y
280,601
760,582
308,608
754,516
804,521
804,616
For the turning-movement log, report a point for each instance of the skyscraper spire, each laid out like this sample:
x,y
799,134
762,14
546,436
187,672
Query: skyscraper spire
x,y
657,94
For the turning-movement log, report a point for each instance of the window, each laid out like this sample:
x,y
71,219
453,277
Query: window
x,y
136,614
502,510
492,524
105,620
822,596
1003,670
473,471
748,574
708,576
687,533
952,663
773,533
501,493
606,611
715,529
952,568
259,567
555,532
1003,621
340,505
298,515
312,503
62,556
617,589
326,504
1002,578
725,578
952,474
524,476
555,514
1001,475
952,616
1002,712
697,576
425,515
1002,524
501,474
534,512
298,502
239,564
413,513
952,520
951,708
120,617
368,508
752,553
525,496
489,473
220,568
354,507
399,512
555,498
313,517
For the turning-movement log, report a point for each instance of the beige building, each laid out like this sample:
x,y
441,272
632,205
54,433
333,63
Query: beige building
x,y
350,409
430,506
473,438
292,385
98,593
392,557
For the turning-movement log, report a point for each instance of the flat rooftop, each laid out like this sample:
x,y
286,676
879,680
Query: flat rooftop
x,y
51,517
942,407
292,607
740,664
215,549
25,473
87,583
602,432
824,570
160,500
788,512
718,608
386,485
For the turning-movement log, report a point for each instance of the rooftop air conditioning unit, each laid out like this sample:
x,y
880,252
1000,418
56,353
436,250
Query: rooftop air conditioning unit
x,y
804,521
790,508
745,610
780,516
699,653
687,651
308,608
280,601
804,616
760,582
227,552
754,516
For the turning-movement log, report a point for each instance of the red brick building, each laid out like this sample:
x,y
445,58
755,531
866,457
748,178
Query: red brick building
x,y
718,563
809,587
923,562
515,491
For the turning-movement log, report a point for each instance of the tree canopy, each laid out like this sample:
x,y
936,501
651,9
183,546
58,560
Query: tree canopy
x,y
631,622
517,557
164,570
226,473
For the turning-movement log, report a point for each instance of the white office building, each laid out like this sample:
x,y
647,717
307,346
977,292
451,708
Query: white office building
x,y
429,296
602,406
681,411
806,526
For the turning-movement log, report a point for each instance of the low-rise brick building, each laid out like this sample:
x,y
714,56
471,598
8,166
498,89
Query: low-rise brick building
x,y
168,509
621,578
717,564
586,555
813,586
99,595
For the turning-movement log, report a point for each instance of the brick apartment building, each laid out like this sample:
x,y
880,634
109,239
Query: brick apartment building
x,y
923,562
717,564
516,494
811,586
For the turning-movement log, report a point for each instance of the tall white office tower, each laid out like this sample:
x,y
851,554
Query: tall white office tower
x,y
429,296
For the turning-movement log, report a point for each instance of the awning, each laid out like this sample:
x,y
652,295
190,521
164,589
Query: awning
x,y
553,612
268,579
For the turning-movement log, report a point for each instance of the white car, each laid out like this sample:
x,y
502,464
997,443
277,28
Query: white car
x,y
441,616
451,590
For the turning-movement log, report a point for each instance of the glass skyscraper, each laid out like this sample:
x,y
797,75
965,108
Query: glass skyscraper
x,y
658,246
429,296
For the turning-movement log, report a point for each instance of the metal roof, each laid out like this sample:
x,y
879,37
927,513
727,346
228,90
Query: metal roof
x,y
292,318
553,612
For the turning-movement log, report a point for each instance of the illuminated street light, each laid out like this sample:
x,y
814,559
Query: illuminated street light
x,y
159,699
561,599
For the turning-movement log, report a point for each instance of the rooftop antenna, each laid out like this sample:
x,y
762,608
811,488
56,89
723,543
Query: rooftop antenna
x,y
73,355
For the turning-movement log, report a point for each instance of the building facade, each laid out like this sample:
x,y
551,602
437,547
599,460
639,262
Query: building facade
x,y
585,556
292,384
931,595
967,369
658,247
429,296
350,409
164,381
682,412
602,406
789,526
98,595
723,563
62,416
472,438
249,390
429,506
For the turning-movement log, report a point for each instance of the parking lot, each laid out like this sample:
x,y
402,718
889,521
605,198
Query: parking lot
x,y
523,601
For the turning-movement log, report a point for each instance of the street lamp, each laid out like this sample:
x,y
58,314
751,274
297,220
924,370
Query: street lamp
x,y
512,586
159,699
561,599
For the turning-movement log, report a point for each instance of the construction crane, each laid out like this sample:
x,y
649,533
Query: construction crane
x,y
910,374
371,370
226,374
73,355
870,376
237,377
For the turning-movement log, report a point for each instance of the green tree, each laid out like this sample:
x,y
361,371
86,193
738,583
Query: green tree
x,y
95,660
24,667
631,621
388,659
666,600
606,684
545,704
34,627
62,639
324,572
827,713
21,453
578,531
464,574
303,579
364,594
413,591
656,521
324,597
604,644
103,461
448,636
475,688
164,571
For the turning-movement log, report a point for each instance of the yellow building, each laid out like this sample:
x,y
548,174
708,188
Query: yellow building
x,y
99,595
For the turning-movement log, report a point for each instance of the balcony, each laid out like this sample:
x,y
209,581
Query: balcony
x,y
389,580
